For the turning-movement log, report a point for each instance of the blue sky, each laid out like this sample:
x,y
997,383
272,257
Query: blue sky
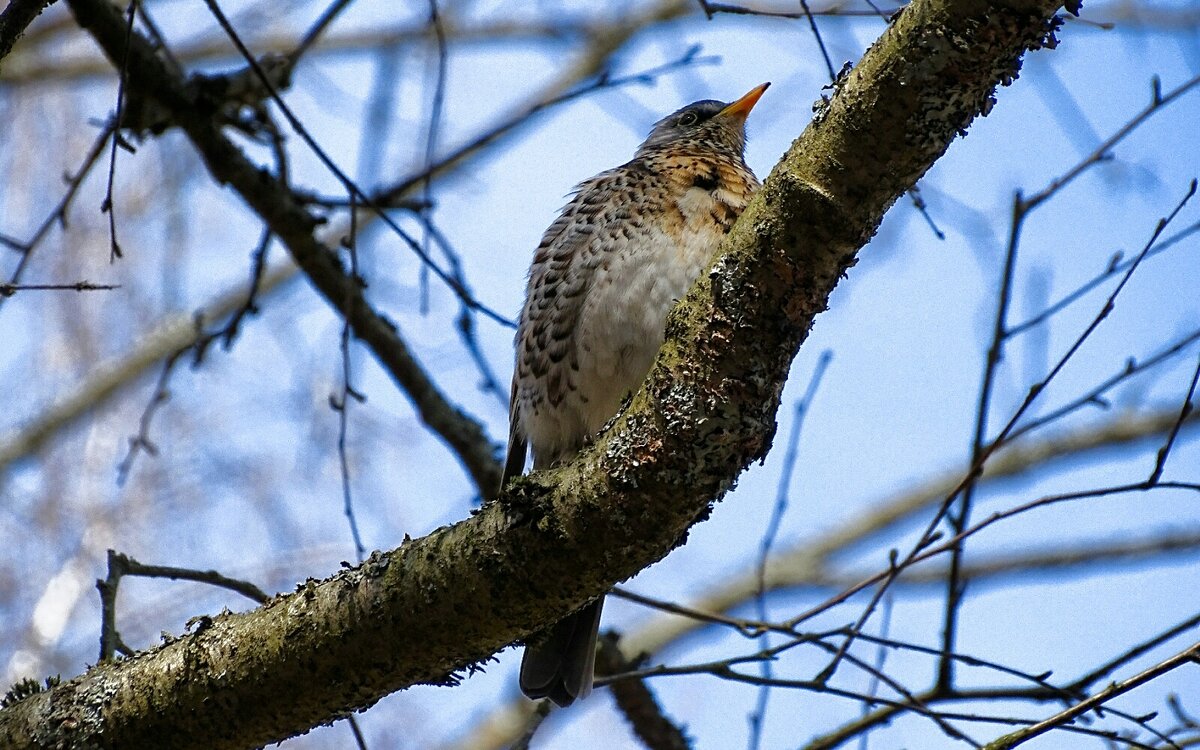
x,y
246,480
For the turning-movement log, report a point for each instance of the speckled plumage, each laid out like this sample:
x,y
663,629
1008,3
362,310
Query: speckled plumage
x,y
624,249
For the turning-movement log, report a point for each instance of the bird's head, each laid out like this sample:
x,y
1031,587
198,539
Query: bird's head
x,y
708,123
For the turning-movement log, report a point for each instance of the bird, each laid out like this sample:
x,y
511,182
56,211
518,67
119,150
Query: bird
x,y
628,244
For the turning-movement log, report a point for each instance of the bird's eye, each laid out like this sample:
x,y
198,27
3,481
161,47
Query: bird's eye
x,y
688,118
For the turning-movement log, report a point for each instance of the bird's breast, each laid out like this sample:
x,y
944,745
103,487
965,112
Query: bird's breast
x,y
712,212
625,263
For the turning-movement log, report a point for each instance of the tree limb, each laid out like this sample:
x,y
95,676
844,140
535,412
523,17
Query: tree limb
x,y
15,18
707,410
812,562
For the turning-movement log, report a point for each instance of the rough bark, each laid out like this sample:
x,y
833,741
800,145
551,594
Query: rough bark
x,y
441,604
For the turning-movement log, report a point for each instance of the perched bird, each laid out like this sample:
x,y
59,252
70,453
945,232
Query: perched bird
x,y
626,247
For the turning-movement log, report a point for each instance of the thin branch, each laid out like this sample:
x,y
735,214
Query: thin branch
x,y
928,536
214,50
922,207
346,181
783,491
1096,396
317,29
807,564
341,403
998,569
178,332
881,654
1115,266
431,135
118,140
120,565
294,226
555,95
1074,691
465,324
1106,669
8,290
15,18
59,214
1021,209
812,24
961,518
1158,100
710,9
787,291
198,346
1061,720
1184,411
929,552
141,441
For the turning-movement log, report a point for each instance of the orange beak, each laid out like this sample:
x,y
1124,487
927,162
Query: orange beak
x,y
741,108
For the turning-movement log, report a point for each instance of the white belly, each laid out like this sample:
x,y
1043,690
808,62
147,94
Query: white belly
x,y
624,317
635,271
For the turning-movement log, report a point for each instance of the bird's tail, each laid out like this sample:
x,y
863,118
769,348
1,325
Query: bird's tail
x,y
560,664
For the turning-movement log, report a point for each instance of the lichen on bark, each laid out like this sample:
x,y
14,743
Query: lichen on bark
x,y
453,598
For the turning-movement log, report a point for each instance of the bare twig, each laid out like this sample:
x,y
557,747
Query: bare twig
x,y
346,181
915,554
120,565
710,9
465,324
294,226
8,290
783,491
199,344
918,201
1096,395
559,93
431,134
1158,100
341,403
1185,410
812,24
1115,266
317,29
930,552
118,140
178,332
141,441
1061,720
1021,209
961,517
59,214
1073,691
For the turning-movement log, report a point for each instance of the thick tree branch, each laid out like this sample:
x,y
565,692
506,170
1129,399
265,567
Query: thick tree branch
x,y
813,562
15,18
707,410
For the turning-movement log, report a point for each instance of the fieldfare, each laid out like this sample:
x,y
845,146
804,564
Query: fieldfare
x,y
626,247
